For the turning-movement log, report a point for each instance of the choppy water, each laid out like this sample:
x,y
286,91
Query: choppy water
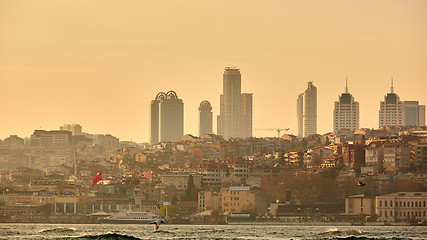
x,y
125,232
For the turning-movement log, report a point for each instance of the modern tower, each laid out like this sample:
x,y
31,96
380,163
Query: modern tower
x,y
346,112
166,118
307,111
235,119
205,118
414,113
392,111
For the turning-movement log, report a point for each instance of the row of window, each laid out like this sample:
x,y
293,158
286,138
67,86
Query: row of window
x,y
403,204
402,214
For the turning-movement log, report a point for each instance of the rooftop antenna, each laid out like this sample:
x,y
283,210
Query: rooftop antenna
x,y
392,88
346,87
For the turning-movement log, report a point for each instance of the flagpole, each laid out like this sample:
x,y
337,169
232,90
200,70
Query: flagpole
x,y
102,194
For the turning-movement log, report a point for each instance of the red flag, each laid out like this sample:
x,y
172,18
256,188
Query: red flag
x,y
97,178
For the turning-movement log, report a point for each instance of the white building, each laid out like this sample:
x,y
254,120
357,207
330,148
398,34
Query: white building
x,y
346,112
402,207
392,111
307,111
235,119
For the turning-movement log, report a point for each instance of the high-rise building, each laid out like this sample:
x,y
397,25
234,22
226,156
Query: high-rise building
x,y
414,113
346,112
205,118
307,111
246,115
392,111
166,118
235,119
75,129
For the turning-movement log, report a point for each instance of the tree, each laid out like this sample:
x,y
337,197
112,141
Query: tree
x,y
192,191
172,210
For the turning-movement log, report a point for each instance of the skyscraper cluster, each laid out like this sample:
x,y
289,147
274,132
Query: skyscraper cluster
x,y
393,112
235,119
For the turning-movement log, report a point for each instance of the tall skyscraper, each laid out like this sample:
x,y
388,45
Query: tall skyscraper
x,y
392,111
307,111
246,115
414,113
166,118
346,112
205,118
235,119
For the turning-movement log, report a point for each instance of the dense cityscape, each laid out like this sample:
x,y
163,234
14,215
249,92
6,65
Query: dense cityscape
x,y
353,175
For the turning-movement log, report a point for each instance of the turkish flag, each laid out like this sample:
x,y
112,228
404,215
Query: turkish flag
x,y
97,178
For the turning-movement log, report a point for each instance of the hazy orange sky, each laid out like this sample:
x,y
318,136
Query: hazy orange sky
x,y
99,62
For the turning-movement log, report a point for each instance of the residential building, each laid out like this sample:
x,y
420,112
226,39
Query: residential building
x,y
235,119
346,112
421,155
307,111
205,118
374,157
237,200
396,156
208,200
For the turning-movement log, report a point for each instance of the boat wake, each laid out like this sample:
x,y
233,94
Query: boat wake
x,y
336,232
109,236
58,230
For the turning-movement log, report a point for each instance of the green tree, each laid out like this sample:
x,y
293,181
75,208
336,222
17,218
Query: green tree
x,y
172,210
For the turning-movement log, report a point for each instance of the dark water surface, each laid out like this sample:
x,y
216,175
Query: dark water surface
x,y
86,231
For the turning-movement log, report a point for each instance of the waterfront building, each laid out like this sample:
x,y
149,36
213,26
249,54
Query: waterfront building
x,y
346,112
235,119
307,111
205,118
402,207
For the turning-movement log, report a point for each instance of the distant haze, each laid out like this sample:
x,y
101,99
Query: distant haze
x,y
99,63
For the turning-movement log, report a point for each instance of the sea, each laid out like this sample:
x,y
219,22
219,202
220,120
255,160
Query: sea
x,y
125,232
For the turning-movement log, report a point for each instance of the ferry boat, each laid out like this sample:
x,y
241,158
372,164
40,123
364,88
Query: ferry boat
x,y
130,217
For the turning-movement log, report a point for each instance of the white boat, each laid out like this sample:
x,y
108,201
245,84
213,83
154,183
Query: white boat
x,y
130,217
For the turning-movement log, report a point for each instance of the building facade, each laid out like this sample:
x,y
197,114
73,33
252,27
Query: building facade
x,y
307,111
205,118
166,118
402,207
392,111
414,113
235,119
346,112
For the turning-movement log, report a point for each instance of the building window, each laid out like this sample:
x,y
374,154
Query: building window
x,y
385,203
391,203
381,203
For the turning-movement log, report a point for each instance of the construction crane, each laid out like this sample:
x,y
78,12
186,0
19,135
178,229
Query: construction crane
x,y
274,129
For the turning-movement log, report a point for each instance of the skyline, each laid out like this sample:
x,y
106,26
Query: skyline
x,y
102,69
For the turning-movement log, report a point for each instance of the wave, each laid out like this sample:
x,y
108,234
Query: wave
x,y
58,230
335,231
109,236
